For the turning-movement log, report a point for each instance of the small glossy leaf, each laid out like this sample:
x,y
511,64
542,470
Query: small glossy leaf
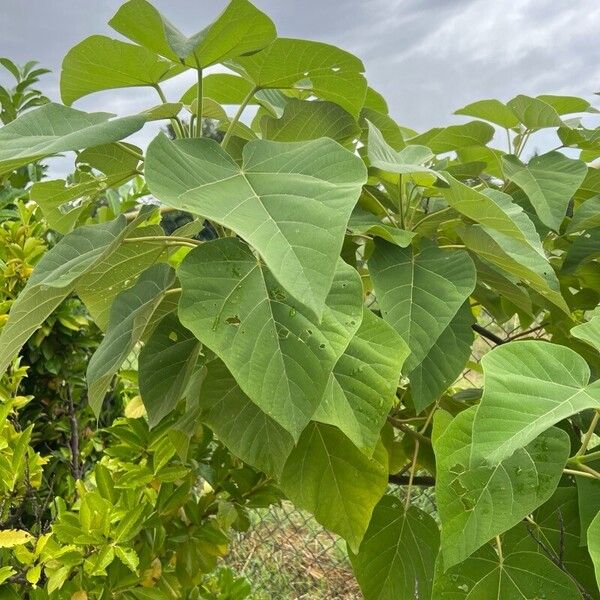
x,y
54,128
129,316
362,388
278,352
477,501
242,426
283,195
328,72
54,279
396,558
529,386
549,180
101,63
328,476
165,364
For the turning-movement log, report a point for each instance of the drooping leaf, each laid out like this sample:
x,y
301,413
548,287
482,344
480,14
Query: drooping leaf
x,y
444,361
111,159
304,120
54,128
328,72
420,294
529,386
534,113
101,63
165,364
586,216
240,29
328,476
490,110
362,387
129,315
506,237
54,278
515,577
283,195
567,105
98,287
278,352
240,424
477,501
364,223
455,137
549,180
396,558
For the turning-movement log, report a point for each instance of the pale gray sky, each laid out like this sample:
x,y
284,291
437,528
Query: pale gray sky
x,y
428,57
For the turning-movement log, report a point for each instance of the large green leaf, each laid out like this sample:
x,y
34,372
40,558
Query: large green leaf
x,y
117,272
54,278
534,113
165,366
240,29
328,72
477,501
529,386
291,201
408,161
396,559
129,315
101,63
54,128
278,352
420,294
244,428
490,110
328,476
518,576
362,388
549,180
444,361
306,120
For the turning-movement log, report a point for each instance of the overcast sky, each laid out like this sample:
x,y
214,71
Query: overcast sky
x,y
428,57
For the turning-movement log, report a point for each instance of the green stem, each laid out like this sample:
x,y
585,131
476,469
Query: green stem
x,y
199,99
169,240
508,140
173,291
588,434
579,473
175,122
499,549
401,201
586,458
237,116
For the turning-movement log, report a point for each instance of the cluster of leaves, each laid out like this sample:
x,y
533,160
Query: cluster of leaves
x,y
338,304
